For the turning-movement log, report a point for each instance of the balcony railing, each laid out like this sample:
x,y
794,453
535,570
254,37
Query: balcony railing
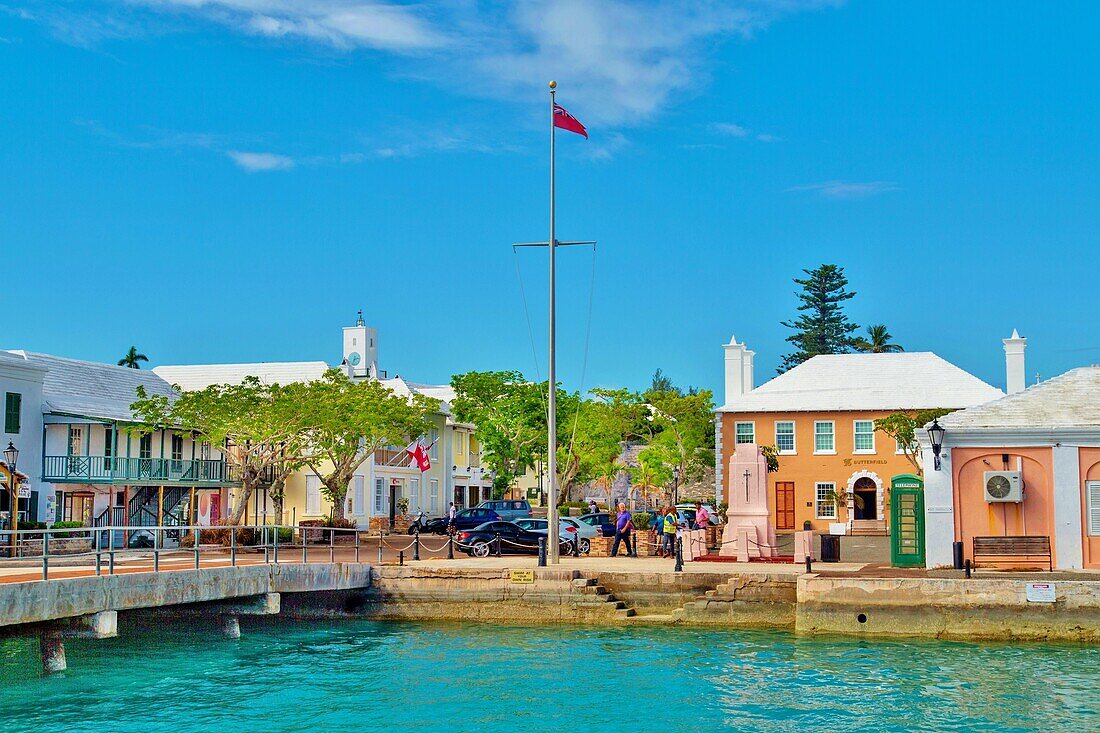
x,y
108,469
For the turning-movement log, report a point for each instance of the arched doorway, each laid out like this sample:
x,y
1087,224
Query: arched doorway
x,y
865,492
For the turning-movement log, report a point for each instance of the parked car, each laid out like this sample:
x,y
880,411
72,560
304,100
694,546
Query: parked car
x,y
603,522
465,519
686,513
568,530
481,541
508,509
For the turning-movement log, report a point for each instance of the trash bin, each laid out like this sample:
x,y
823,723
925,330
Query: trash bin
x,y
830,548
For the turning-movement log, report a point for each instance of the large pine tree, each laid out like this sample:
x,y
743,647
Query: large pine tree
x,y
823,327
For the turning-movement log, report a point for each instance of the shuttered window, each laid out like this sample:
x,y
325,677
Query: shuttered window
x,y
13,402
313,495
357,501
1093,488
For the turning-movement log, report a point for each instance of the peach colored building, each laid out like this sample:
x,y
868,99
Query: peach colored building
x,y
820,416
1045,443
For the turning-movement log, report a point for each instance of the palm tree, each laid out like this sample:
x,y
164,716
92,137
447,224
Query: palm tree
x,y
879,341
132,359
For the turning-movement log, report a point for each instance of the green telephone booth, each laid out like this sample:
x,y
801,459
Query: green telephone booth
x,y
907,521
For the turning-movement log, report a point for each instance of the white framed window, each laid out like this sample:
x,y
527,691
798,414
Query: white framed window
x,y
434,505
433,450
784,437
379,496
313,495
357,494
899,448
825,505
824,436
744,432
1092,488
864,441
414,494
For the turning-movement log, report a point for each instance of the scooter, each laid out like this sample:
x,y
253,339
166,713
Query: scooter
x,y
416,526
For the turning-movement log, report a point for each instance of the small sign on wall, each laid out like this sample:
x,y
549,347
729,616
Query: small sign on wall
x,y
1040,593
522,576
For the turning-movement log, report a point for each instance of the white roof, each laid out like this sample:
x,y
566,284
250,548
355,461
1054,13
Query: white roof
x,y
903,381
200,376
1071,400
91,389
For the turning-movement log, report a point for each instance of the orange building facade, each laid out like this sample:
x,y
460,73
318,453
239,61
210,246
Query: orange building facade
x,y
822,456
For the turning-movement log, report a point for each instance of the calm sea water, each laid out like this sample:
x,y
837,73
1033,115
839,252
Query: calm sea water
x,y
367,676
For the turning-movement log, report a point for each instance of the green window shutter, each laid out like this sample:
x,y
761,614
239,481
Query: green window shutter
x,y
13,402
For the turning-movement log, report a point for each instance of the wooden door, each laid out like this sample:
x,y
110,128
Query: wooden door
x,y
784,505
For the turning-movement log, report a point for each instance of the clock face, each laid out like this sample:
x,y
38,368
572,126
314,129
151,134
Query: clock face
x,y
353,358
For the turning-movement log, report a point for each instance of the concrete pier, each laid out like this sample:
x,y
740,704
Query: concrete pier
x,y
51,644
231,627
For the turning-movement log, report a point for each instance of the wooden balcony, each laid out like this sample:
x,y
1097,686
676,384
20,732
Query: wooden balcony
x,y
111,470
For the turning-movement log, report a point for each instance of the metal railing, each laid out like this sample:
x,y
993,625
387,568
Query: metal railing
x,y
105,469
97,545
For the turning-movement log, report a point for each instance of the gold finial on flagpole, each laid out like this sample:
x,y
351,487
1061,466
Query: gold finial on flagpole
x,y
553,84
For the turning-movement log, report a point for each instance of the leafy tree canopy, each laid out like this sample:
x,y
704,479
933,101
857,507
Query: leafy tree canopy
x,y
903,427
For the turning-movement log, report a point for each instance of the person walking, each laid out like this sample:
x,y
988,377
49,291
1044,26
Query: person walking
x,y
624,528
451,518
593,507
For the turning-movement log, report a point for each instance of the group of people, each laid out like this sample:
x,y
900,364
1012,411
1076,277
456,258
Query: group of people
x,y
666,524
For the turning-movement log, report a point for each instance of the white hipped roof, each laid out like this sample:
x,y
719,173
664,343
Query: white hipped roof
x,y
200,376
871,382
91,389
1071,400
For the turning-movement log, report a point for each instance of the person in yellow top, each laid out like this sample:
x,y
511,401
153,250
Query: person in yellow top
x,y
668,530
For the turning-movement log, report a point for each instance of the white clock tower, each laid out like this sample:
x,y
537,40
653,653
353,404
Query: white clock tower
x,y
361,349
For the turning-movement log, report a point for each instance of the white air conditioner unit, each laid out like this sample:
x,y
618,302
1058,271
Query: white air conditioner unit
x,y
1003,486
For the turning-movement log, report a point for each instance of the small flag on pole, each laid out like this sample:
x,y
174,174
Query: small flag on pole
x,y
566,121
419,453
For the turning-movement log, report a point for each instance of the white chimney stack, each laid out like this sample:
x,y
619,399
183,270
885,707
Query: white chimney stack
x,y
746,372
738,366
1014,362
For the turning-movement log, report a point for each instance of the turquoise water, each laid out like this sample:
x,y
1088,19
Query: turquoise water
x,y
368,676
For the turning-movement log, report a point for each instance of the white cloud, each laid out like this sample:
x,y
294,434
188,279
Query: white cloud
x,y
617,62
728,128
768,138
340,23
848,189
257,162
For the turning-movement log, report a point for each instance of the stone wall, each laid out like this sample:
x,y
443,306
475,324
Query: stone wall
x,y
949,608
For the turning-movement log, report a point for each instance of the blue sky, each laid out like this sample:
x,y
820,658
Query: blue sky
x,y
230,180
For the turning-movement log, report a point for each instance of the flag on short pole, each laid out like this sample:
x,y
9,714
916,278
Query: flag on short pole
x,y
419,453
566,121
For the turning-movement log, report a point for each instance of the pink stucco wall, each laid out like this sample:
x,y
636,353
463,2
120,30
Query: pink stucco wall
x,y
975,518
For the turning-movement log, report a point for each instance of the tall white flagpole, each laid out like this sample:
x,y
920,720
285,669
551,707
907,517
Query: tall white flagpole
x,y
551,373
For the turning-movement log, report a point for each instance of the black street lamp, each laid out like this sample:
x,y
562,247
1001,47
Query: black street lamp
x,y
675,485
11,457
935,436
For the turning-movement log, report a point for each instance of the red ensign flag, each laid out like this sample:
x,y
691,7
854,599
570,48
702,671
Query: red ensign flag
x,y
420,454
566,121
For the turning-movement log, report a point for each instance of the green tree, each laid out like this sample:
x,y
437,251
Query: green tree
x,y
509,413
344,422
822,327
591,433
877,341
903,427
257,426
683,427
133,359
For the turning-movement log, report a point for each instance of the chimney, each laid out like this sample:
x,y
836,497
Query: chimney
x,y
746,371
736,368
1014,362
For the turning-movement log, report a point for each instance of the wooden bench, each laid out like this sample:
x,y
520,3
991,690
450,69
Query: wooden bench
x,y
1025,546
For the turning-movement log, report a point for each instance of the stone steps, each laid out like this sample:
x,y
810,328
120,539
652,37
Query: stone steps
x,y
600,594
